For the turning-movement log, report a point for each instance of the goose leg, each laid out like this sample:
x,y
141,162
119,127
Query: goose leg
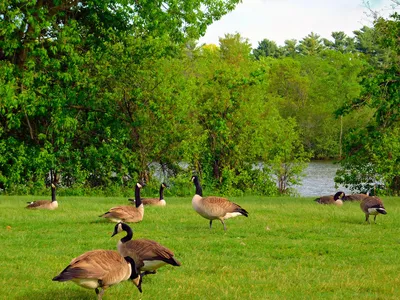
x,y
367,218
100,294
210,223
375,219
148,272
223,223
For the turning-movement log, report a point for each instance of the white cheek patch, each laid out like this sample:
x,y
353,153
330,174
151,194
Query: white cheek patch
x,y
139,185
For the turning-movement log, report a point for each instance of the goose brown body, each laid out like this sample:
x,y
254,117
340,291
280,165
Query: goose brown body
x,y
332,199
355,197
148,254
100,269
372,205
213,207
45,204
127,213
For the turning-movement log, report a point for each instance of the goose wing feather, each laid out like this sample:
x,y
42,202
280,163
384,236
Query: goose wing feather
x,y
146,249
220,206
39,203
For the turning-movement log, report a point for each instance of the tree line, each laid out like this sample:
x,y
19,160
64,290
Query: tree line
x,y
95,94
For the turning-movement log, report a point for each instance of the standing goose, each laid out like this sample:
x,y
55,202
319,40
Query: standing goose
x,y
127,213
45,204
372,205
336,199
213,208
155,201
100,269
148,255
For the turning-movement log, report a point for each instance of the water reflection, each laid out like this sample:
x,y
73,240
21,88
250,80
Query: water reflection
x,y
319,180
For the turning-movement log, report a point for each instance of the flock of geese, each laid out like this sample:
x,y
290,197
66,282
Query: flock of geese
x,y
133,259
100,269
370,205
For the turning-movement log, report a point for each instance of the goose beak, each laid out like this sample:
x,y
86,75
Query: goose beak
x,y
138,282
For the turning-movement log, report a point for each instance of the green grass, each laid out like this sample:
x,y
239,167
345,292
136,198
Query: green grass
x,y
288,248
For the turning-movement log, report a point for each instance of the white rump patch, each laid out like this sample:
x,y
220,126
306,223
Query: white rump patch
x,y
373,211
87,283
151,265
232,215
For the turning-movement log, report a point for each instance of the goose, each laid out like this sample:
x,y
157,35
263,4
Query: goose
x,y
45,204
148,254
372,205
336,199
354,197
100,269
155,201
127,213
213,208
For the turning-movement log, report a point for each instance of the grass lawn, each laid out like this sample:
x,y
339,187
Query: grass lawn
x,y
288,248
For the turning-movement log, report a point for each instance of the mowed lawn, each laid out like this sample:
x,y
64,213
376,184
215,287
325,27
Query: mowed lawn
x,y
288,248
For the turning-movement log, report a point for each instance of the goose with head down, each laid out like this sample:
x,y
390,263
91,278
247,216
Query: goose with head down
x,y
372,205
100,269
332,199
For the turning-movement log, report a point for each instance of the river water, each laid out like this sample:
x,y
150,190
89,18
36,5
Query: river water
x,y
319,180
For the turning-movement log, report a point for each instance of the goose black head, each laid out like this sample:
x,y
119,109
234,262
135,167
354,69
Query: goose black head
x,y
118,228
339,195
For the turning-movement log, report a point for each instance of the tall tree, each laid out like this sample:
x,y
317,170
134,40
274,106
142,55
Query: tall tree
x,y
310,45
341,42
266,48
53,111
381,85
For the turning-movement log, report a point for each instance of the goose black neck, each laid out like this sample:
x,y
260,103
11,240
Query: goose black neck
x,y
134,273
128,231
199,190
161,192
138,201
53,194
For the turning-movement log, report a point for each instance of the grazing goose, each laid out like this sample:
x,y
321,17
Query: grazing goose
x,y
155,201
45,204
336,199
100,269
354,197
148,255
372,205
213,208
127,213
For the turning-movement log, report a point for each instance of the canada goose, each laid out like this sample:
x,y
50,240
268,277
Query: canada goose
x,y
155,201
354,197
336,199
127,213
148,255
45,204
372,205
100,269
213,208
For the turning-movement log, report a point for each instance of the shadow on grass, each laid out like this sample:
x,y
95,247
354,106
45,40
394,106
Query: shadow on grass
x,y
58,294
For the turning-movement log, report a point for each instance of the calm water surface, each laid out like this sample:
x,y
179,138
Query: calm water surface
x,y
319,180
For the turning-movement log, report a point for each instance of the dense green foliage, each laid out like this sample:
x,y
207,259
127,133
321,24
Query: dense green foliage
x,y
93,94
288,248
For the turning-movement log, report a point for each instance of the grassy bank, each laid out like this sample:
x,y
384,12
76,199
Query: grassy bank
x,y
288,248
